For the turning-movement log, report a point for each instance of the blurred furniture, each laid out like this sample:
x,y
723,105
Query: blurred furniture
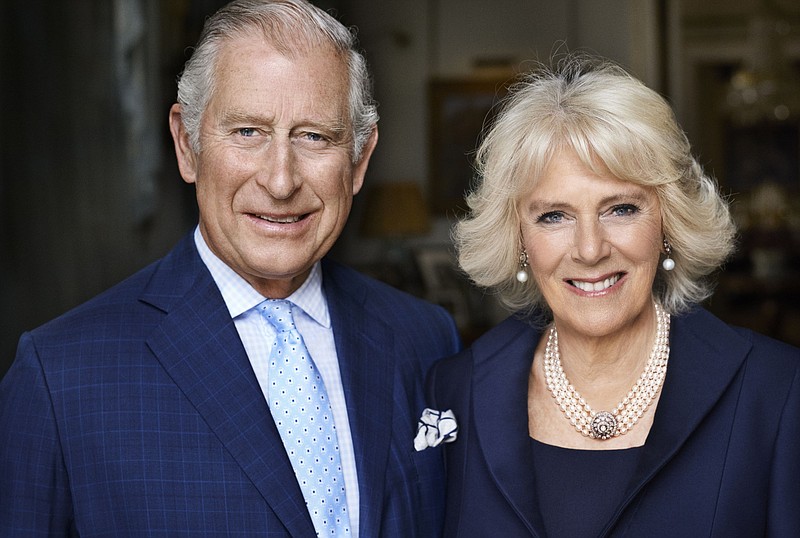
x,y
394,213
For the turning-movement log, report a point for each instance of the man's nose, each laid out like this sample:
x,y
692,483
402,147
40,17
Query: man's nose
x,y
278,173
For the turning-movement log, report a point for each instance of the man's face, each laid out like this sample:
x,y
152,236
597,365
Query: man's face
x,y
274,174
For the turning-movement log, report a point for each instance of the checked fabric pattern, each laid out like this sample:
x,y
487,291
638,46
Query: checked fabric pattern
x,y
302,413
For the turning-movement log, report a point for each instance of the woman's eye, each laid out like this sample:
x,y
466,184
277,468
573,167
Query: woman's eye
x,y
551,217
624,210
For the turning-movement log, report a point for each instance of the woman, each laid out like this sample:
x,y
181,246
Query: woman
x,y
610,404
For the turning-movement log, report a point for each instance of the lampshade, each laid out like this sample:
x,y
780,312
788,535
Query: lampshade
x,y
395,209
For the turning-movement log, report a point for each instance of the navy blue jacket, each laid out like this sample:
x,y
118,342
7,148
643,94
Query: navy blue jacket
x,y
722,457
138,414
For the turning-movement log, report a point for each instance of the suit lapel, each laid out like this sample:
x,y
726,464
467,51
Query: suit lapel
x,y
704,358
501,416
198,345
366,349
705,355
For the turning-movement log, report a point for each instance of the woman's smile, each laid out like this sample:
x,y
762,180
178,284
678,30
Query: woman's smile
x,y
596,285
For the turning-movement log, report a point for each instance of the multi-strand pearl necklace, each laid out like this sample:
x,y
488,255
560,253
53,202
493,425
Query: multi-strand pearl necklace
x,y
605,424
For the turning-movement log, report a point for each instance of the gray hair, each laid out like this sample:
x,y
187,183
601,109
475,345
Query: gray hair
x,y
608,118
287,25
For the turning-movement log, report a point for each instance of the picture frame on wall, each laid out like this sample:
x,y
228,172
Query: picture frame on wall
x,y
460,108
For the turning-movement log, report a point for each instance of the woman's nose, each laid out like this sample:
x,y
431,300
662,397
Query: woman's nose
x,y
591,244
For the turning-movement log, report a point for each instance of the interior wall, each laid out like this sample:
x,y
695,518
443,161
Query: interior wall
x,y
410,42
89,192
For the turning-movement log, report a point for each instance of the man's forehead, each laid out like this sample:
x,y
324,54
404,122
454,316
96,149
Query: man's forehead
x,y
289,43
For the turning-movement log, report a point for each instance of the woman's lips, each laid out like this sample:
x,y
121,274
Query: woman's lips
x,y
597,285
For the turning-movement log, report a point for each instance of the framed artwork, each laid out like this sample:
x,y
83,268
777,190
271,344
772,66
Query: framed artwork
x,y
459,111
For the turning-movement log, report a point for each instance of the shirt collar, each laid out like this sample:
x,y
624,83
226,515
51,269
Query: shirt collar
x,y
240,296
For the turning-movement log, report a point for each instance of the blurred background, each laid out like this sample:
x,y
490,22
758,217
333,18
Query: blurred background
x,y
89,190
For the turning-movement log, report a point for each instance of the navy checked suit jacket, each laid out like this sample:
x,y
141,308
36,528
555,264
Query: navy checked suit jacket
x,y
722,458
138,414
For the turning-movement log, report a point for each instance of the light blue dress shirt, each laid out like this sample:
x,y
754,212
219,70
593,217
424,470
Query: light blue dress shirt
x,y
314,324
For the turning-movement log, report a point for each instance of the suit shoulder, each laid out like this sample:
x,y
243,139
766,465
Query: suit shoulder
x,y
487,348
770,349
709,328
169,276
417,327
390,301
507,333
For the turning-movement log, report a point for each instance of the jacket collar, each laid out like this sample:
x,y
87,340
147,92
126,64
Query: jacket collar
x,y
500,385
198,345
367,348
705,355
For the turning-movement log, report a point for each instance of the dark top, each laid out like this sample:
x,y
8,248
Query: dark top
x,y
578,490
721,457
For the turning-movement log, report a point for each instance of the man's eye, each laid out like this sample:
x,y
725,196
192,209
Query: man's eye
x,y
314,137
247,132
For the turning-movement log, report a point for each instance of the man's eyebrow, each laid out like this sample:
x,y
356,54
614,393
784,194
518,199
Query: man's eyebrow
x,y
236,116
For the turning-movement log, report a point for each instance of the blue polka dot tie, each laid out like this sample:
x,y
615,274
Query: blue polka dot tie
x,y
300,408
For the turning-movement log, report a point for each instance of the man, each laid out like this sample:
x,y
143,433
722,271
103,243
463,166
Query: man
x,y
149,409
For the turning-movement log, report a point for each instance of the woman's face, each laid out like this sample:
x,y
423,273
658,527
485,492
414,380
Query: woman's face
x,y
593,244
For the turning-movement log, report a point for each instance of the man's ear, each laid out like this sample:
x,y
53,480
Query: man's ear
x,y
187,159
360,168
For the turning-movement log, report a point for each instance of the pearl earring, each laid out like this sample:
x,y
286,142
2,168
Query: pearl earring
x,y
522,274
668,264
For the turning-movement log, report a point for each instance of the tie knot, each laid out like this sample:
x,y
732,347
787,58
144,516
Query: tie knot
x,y
278,313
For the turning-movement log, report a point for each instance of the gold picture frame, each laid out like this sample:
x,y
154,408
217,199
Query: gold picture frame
x,y
460,109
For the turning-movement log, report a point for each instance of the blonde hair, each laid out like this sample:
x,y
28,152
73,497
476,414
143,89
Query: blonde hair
x,y
608,118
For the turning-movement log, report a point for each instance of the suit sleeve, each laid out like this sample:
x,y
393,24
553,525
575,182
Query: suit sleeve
x,y
784,504
35,498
